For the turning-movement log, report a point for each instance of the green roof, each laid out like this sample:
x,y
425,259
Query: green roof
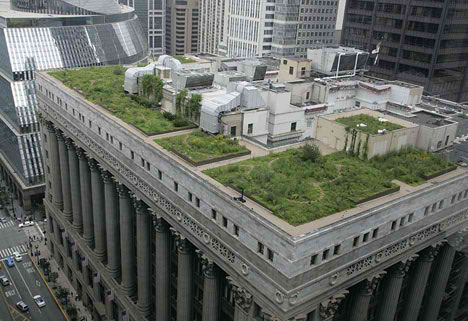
x,y
373,125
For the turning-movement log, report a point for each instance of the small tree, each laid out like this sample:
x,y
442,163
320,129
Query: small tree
x,y
180,101
53,277
311,153
152,88
195,106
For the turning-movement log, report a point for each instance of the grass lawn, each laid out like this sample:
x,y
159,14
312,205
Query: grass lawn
x,y
184,60
301,191
104,86
199,146
373,124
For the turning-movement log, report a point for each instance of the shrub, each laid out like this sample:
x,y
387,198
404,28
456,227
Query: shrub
x,y
169,116
117,71
180,122
311,153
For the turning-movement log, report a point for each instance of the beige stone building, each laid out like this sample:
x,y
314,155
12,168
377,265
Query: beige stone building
x,y
182,27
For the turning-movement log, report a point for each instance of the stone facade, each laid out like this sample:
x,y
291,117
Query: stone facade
x,y
170,258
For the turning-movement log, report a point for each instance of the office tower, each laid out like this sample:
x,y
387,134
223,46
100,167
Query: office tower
x,y
211,25
278,28
182,18
39,36
423,42
152,235
152,15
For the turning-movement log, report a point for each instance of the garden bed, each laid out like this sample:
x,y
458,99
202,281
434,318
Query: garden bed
x,y
198,148
300,191
104,87
373,125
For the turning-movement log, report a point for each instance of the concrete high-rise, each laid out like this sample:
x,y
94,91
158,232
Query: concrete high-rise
x,y
423,42
279,28
211,25
39,36
152,15
182,18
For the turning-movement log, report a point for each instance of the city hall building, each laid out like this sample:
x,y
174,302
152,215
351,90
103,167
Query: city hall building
x,y
144,235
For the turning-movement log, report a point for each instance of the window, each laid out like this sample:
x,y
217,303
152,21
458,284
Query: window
x,y
313,259
366,237
197,201
291,70
90,123
99,130
466,194
285,61
336,249
307,95
236,230
434,207
250,129
447,140
190,196
132,154
214,214
439,144
107,136
148,166
356,241
293,126
47,154
159,174
375,233
112,139
233,131
270,255
225,222
357,104
45,138
325,254
120,145
453,198
176,186
460,196
410,217
403,221
260,248
441,204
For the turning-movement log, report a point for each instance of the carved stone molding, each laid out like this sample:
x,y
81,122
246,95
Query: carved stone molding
x,y
59,134
122,190
81,154
50,127
242,297
69,144
329,308
208,267
107,177
160,225
456,240
368,285
140,207
93,165
182,244
429,253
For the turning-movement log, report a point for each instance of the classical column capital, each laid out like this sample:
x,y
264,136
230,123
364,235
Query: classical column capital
x,y
122,190
456,240
107,177
183,245
368,285
70,145
242,297
429,253
140,207
81,154
160,224
208,266
59,134
93,165
50,127
400,269
328,308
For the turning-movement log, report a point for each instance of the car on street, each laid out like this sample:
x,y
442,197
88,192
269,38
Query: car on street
x,y
3,220
39,301
17,256
26,224
10,261
4,280
22,306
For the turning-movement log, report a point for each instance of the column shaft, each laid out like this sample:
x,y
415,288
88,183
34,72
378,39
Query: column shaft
x,y
361,300
162,270
128,241
210,293
417,285
184,280
75,187
391,292
65,176
86,200
460,286
438,283
99,215
112,226
55,168
143,257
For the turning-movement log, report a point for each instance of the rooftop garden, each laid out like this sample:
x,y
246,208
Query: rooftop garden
x,y
372,124
184,60
104,86
300,188
199,148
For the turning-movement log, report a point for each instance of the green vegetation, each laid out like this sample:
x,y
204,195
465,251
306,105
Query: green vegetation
x,y
104,86
199,146
152,88
373,124
410,165
464,116
300,189
184,60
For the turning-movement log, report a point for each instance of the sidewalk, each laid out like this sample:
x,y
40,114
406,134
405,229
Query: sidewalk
x,y
83,313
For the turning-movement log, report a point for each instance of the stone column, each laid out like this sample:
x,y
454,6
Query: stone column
x,y
162,269
86,199
243,302
362,299
57,233
436,289
75,191
391,291
184,278
55,166
112,225
463,278
75,257
128,241
99,215
143,257
417,286
210,291
65,176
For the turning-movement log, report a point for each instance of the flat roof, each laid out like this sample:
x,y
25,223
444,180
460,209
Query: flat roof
x,y
425,118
